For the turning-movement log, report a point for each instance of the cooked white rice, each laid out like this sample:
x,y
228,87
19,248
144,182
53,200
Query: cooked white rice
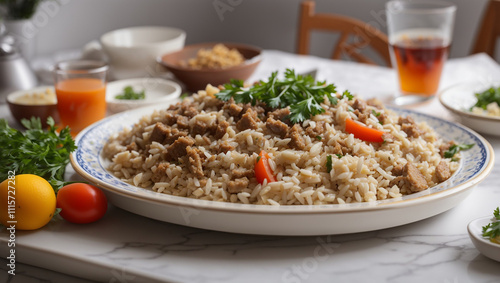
x,y
364,175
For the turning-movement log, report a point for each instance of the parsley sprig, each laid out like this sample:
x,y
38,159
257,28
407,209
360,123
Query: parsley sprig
x,y
492,230
35,151
456,148
302,94
130,94
486,97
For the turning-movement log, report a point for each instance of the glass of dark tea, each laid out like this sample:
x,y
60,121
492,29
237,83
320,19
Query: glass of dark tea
x,y
420,34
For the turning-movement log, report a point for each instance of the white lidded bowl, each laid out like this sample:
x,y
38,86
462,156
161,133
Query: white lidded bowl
x,y
458,99
157,91
132,51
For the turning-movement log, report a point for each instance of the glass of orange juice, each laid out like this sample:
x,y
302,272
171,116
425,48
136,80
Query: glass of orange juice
x,y
81,93
420,35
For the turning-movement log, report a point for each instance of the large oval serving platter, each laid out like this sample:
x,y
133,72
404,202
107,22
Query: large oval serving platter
x,y
282,220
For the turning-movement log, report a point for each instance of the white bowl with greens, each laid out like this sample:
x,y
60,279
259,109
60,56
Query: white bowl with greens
x,y
485,235
129,94
474,105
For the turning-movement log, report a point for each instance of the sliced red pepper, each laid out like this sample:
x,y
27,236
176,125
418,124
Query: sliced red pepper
x,y
262,169
363,132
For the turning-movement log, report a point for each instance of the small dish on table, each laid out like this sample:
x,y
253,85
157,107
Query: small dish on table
x,y
484,245
198,78
156,91
460,98
40,102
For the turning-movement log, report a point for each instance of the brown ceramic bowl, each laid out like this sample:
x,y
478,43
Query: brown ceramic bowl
x,y
197,79
26,111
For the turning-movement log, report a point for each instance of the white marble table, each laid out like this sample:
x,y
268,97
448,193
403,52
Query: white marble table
x,y
123,247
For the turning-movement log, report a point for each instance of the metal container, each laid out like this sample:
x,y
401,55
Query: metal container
x,y
15,73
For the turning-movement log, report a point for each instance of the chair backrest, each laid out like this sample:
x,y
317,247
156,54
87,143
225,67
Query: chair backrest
x,y
355,35
489,30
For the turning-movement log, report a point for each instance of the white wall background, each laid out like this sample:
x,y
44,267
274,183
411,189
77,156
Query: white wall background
x,y
270,24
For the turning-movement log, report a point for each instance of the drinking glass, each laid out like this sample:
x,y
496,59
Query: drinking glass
x,y
81,93
420,34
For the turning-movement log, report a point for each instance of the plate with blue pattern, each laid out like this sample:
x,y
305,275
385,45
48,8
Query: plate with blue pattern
x,y
475,165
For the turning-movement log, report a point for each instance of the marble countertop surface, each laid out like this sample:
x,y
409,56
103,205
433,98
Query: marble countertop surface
x,y
123,247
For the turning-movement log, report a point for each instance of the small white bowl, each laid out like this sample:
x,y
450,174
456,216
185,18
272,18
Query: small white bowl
x,y
458,99
157,91
132,52
485,246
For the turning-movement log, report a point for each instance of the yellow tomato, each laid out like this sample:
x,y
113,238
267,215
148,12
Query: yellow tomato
x,y
27,201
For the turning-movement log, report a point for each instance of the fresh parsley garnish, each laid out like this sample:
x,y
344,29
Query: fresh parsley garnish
x,y
130,94
302,94
486,97
329,163
375,113
454,149
492,230
339,155
318,138
35,151
184,96
347,94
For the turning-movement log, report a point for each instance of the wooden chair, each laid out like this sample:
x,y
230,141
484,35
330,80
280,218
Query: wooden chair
x,y
355,35
489,30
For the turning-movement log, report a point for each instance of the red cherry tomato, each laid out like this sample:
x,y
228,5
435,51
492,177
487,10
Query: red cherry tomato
x,y
81,203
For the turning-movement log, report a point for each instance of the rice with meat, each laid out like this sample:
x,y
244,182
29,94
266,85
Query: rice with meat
x,y
205,148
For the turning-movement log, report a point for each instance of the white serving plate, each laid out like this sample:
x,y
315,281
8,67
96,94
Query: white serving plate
x,y
157,91
459,98
283,220
485,246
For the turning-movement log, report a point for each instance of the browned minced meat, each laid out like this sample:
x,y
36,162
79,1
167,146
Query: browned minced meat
x,y
297,141
132,146
412,130
341,147
409,126
170,118
237,185
382,117
318,130
233,109
160,172
279,114
225,147
195,161
397,170
221,129
242,172
159,133
444,147
443,172
258,110
199,128
359,105
178,148
215,103
416,179
183,122
248,120
337,149
277,127
362,117
375,102
190,112
412,176
406,120
173,134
